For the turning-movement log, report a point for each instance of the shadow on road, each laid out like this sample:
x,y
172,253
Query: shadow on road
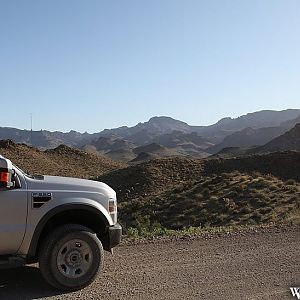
x,y
24,283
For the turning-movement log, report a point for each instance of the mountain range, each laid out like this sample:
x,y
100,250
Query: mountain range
x,y
261,131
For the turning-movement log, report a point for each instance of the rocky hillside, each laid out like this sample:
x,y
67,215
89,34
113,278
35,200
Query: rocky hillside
x,y
248,137
284,165
178,192
107,144
219,200
175,143
62,161
290,123
186,144
288,141
155,149
159,174
149,177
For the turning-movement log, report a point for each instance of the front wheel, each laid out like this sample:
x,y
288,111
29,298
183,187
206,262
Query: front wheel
x,y
71,257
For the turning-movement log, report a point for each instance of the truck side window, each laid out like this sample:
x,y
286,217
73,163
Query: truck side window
x,y
15,178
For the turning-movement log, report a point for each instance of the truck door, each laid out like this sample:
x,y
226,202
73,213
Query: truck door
x,y
13,215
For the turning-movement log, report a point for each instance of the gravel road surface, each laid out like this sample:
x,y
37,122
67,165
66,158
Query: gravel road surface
x,y
261,264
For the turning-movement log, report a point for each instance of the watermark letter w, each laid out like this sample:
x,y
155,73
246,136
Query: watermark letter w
x,y
295,292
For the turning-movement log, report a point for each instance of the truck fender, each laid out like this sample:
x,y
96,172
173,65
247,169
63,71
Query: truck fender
x,y
51,213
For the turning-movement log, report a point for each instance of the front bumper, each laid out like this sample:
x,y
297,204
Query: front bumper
x,y
114,235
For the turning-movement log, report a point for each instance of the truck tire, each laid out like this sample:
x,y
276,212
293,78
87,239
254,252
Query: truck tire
x,y
71,257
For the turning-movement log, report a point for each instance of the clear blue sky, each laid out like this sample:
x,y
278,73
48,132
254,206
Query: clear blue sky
x,y
90,65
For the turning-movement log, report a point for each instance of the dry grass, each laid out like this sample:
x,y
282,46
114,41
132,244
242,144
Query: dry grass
x,y
228,199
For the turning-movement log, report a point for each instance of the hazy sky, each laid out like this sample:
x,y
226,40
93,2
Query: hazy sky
x,y
90,65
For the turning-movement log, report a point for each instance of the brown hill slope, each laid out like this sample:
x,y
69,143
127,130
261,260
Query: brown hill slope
x,y
155,149
160,174
152,176
284,165
106,144
178,192
219,200
121,155
63,160
144,156
178,138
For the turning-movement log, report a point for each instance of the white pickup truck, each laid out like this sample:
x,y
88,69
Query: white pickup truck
x,y
62,223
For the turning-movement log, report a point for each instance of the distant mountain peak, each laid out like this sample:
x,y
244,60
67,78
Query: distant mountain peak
x,y
163,120
224,121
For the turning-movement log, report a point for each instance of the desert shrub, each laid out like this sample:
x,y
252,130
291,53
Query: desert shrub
x,y
225,175
217,179
256,175
197,189
133,232
215,205
198,196
269,177
261,201
251,222
221,218
257,216
206,192
265,210
142,223
293,217
241,188
205,183
211,187
258,183
232,194
229,205
245,210
291,182
273,187
178,188
145,228
280,184
293,189
203,212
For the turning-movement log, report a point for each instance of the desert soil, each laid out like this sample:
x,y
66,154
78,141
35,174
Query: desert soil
x,y
256,264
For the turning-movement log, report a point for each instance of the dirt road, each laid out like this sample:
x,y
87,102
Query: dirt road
x,y
247,265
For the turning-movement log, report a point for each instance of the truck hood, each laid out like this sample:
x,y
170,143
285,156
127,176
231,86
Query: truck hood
x,y
56,183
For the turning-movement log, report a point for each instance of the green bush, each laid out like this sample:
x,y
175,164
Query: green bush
x,y
143,227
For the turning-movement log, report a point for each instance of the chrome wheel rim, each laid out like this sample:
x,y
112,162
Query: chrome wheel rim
x,y
74,258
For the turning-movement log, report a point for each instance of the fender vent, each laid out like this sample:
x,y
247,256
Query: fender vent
x,y
39,199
